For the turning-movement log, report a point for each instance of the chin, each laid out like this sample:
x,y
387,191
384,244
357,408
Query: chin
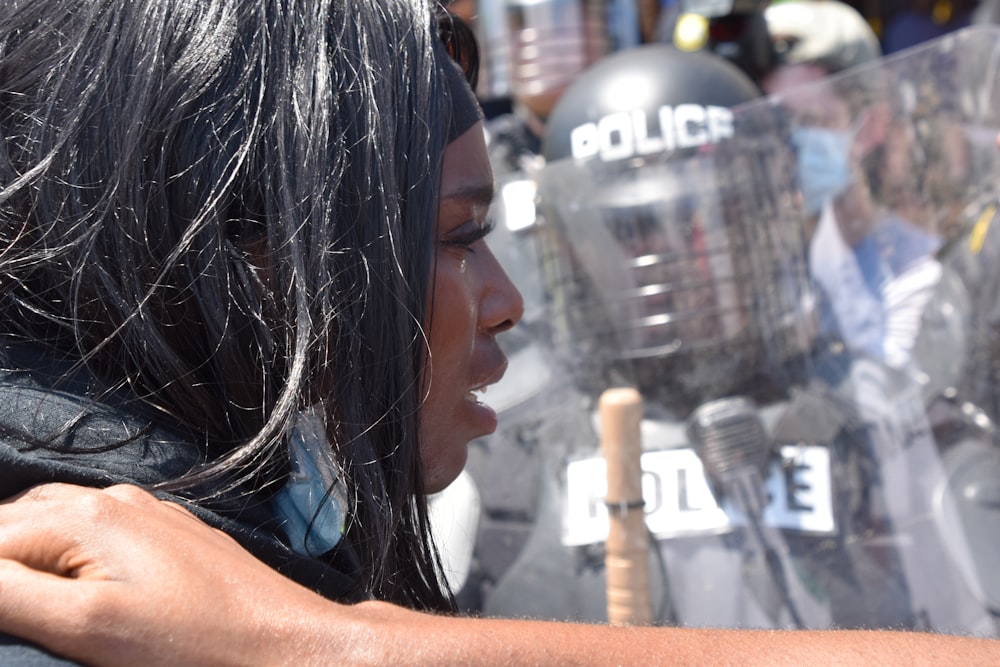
x,y
437,485
438,477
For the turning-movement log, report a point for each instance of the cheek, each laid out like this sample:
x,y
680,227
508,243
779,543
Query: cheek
x,y
452,313
443,441
451,339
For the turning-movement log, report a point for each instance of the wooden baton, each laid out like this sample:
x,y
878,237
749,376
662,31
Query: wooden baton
x,y
627,557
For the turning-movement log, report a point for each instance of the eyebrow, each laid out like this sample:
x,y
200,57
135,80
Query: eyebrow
x,y
477,193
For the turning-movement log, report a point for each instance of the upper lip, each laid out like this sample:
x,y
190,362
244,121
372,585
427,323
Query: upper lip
x,y
491,378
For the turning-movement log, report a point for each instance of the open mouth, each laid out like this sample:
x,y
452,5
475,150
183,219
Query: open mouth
x,y
475,395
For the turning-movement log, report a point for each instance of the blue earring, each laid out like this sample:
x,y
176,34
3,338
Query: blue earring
x,y
312,505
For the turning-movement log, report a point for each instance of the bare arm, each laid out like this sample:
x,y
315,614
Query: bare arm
x,y
116,577
496,642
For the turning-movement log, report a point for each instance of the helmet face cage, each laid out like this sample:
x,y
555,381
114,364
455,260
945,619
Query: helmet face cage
x,y
672,262
665,274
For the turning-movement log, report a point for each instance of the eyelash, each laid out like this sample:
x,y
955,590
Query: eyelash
x,y
466,241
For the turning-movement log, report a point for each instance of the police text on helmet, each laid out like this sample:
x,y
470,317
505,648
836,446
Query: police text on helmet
x,y
626,134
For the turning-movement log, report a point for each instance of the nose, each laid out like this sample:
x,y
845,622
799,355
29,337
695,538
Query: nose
x,y
502,305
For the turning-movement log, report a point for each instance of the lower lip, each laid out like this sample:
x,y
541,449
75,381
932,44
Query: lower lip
x,y
484,416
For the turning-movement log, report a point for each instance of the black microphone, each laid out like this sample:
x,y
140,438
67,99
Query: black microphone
x,y
729,437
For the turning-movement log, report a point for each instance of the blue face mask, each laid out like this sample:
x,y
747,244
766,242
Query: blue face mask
x,y
823,164
313,504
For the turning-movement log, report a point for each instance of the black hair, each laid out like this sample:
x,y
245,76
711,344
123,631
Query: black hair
x,y
461,43
226,210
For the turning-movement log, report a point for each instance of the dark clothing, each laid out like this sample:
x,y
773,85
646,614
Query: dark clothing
x,y
911,27
51,431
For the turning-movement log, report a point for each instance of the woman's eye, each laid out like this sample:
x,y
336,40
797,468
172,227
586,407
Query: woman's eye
x,y
465,236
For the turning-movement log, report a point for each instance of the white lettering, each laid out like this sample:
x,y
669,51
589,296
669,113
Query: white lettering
x,y
644,144
720,123
679,501
690,125
583,140
622,135
616,136
666,116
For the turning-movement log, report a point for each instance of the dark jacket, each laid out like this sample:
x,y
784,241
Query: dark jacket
x,y
52,431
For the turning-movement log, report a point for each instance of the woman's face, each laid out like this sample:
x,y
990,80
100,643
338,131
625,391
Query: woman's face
x,y
472,300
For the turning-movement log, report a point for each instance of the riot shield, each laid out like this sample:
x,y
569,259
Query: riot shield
x,y
809,310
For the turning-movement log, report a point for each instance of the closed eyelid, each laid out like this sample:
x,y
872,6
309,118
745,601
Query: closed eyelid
x,y
464,236
464,205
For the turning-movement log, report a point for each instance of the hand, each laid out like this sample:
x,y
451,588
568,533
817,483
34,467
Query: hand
x,y
106,577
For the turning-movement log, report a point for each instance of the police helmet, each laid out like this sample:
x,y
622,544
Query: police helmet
x,y
828,33
658,275
620,94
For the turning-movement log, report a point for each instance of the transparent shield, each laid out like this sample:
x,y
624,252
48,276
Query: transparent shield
x,y
841,320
